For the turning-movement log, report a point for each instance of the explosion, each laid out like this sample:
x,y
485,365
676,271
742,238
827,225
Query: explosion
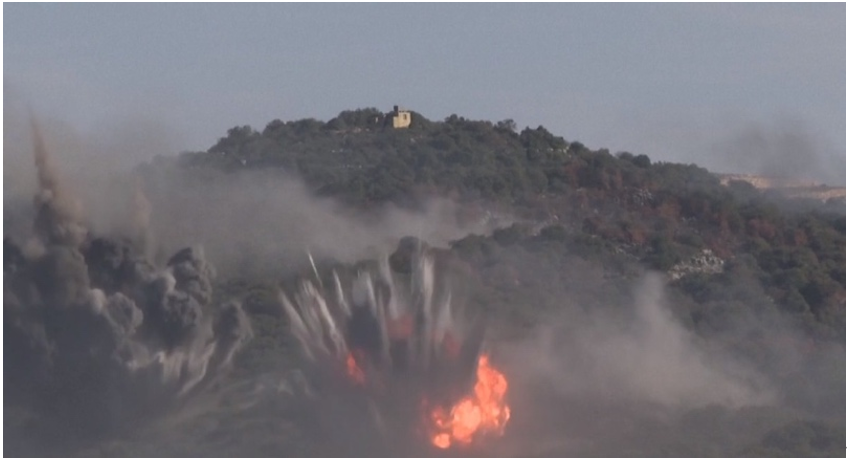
x,y
481,413
392,333
100,334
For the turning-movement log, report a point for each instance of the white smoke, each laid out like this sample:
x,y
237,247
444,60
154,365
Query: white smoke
x,y
646,356
256,219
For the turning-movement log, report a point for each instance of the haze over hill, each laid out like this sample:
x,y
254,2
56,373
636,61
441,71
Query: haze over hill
x,y
636,307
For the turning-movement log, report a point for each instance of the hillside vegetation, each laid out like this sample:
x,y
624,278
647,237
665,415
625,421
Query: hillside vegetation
x,y
664,215
735,349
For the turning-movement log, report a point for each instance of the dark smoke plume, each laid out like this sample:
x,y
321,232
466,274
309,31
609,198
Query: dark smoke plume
x,y
97,337
784,150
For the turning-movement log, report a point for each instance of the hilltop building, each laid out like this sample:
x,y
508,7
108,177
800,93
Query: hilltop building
x,y
401,118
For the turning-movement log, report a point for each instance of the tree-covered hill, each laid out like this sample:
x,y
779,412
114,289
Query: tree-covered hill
x,y
737,350
663,214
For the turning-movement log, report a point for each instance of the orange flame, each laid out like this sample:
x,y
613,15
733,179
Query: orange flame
x,y
483,412
354,371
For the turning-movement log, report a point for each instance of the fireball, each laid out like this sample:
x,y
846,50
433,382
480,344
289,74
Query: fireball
x,y
483,412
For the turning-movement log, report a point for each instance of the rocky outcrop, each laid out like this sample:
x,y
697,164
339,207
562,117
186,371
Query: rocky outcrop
x,y
705,262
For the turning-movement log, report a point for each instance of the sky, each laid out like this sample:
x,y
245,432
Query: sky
x,y
756,88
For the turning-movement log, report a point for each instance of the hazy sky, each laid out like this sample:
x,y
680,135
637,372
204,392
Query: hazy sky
x,y
754,87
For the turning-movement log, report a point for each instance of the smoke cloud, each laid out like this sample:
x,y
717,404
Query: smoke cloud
x,y
630,379
109,307
253,222
785,149
647,356
96,334
95,168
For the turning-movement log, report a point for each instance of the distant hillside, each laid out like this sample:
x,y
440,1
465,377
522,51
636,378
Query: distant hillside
x,y
662,214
